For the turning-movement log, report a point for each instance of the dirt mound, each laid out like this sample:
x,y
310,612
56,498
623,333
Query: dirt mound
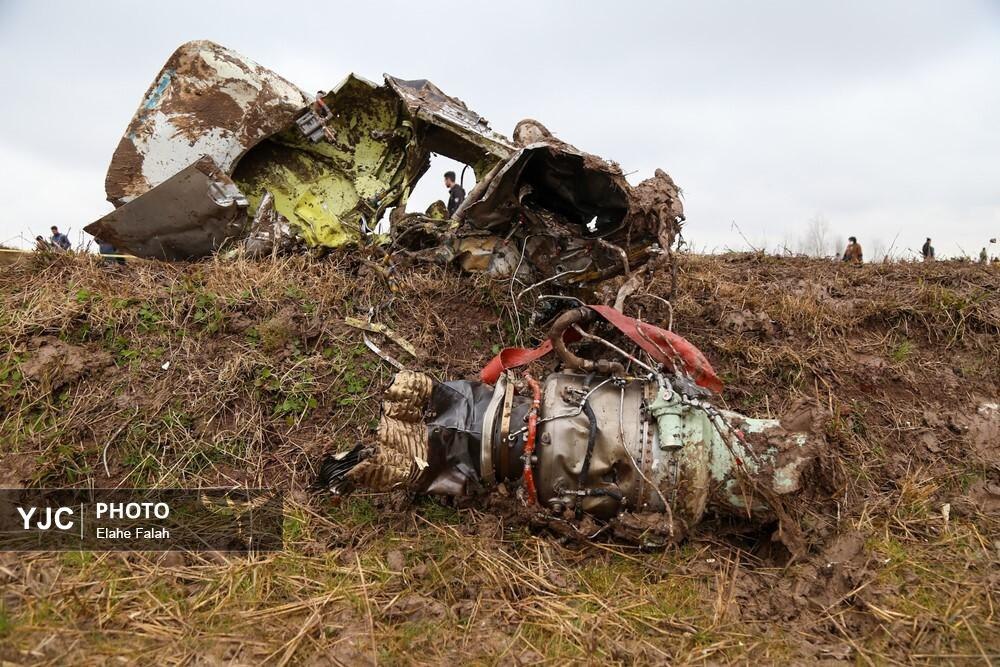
x,y
54,363
246,373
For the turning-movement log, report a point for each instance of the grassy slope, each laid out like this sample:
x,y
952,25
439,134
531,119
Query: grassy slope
x,y
263,377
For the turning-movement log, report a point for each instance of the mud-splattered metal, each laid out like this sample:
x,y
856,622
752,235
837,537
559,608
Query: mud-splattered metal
x,y
334,165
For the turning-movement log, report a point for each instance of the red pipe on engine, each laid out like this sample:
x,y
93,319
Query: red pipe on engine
x,y
529,443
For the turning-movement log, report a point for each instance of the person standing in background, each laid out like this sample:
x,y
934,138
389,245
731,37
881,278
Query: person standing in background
x,y
105,248
60,240
456,192
853,253
927,250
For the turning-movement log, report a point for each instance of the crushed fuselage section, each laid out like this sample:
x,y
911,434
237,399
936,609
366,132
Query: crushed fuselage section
x,y
333,166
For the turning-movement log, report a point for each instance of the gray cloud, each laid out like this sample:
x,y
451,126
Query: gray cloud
x,y
881,116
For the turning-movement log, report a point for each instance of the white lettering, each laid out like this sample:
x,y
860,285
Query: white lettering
x,y
152,533
26,515
105,533
61,512
145,510
50,518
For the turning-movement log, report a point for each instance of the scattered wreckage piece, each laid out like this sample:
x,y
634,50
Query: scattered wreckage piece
x,y
323,173
270,233
554,213
333,166
449,127
196,208
379,328
643,453
206,101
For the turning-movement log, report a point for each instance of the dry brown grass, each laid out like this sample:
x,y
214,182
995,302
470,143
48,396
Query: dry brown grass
x,y
263,378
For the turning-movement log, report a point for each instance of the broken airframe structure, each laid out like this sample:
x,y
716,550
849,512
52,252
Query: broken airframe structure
x,y
224,153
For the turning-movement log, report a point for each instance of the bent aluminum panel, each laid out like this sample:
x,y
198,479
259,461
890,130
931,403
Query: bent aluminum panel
x,y
207,100
334,191
190,215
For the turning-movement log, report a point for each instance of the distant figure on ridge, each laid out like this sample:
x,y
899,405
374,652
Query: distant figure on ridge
x,y
853,253
60,240
927,250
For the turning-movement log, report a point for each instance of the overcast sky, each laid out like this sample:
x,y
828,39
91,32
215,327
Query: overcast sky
x,y
883,117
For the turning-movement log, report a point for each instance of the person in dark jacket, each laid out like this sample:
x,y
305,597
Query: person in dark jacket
x,y
927,250
455,192
60,240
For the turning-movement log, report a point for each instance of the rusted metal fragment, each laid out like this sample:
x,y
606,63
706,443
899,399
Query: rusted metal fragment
x,y
192,214
568,213
558,215
572,215
655,208
451,128
333,166
207,100
555,178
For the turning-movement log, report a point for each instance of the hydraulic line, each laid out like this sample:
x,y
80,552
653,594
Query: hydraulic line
x,y
582,315
529,443
581,479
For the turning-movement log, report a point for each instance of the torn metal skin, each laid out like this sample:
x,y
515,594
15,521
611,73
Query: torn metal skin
x,y
553,213
206,101
196,208
641,454
328,169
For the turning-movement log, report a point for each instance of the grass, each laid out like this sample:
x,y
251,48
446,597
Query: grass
x,y
264,378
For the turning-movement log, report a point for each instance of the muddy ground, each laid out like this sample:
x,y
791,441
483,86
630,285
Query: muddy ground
x,y
264,378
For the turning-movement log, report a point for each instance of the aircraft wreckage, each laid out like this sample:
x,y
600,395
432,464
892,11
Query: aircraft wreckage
x,y
628,444
224,155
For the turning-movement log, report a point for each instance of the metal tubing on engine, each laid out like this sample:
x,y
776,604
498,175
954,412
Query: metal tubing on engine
x,y
581,315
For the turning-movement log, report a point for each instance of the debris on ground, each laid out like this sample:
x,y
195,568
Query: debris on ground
x,y
628,442
854,516
893,370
